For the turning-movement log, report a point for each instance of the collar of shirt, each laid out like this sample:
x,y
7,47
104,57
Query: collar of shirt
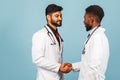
x,y
54,31
93,30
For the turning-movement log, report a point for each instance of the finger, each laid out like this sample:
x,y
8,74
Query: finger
x,y
68,64
65,64
64,68
62,65
67,69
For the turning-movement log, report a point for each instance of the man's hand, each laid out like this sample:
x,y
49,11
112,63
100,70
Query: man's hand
x,y
65,67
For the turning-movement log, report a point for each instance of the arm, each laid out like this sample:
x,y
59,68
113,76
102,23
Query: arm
x,y
76,66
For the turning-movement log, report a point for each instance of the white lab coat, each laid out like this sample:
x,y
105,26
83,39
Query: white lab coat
x,y
47,57
94,62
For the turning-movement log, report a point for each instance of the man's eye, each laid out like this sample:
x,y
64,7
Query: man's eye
x,y
56,15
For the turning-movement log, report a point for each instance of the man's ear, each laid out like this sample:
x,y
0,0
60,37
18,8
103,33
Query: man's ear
x,y
48,17
92,19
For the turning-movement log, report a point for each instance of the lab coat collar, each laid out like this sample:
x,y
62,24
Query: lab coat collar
x,y
92,30
101,29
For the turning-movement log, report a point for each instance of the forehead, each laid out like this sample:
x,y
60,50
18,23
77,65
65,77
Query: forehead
x,y
87,15
57,13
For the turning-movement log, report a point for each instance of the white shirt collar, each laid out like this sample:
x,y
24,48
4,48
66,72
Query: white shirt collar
x,y
93,30
101,29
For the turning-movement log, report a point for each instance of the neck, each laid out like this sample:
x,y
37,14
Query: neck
x,y
95,25
52,26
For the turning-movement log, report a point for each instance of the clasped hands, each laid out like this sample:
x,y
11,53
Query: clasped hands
x,y
65,67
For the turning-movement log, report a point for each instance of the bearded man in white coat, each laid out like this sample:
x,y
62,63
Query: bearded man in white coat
x,y
95,54
47,47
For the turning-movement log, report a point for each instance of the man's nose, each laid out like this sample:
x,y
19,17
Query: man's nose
x,y
60,18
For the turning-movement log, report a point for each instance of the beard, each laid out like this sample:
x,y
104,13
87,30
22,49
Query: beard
x,y
88,27
56,23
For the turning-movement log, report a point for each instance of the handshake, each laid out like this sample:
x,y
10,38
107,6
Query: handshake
x,y
65,67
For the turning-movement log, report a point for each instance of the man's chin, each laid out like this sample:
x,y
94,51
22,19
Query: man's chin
x,y
87,29
59,25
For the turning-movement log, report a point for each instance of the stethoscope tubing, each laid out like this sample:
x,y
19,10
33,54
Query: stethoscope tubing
x,y
51,36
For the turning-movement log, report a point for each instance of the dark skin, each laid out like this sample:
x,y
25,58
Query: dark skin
x,y
90,21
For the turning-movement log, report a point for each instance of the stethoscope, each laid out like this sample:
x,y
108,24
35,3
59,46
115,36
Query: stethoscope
x,y
52,37
83,52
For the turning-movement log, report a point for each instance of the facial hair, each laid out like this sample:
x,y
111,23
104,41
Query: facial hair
x,y
55,23
88,27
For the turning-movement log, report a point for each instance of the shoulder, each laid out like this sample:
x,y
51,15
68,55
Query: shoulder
x,y
40,33
99,34
100,31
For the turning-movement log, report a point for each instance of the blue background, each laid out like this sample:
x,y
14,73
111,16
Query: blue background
x,y
19,19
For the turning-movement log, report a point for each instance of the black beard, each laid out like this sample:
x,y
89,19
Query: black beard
x,y
55,23
88,27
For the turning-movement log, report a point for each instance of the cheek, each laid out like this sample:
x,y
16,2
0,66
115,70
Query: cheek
x,y
55,18
85,21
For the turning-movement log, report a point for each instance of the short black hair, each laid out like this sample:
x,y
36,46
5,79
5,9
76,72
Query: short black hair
x,y
53,8
96,10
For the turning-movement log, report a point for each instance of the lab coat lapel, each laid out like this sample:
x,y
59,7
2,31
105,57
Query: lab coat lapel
x,y
59,47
